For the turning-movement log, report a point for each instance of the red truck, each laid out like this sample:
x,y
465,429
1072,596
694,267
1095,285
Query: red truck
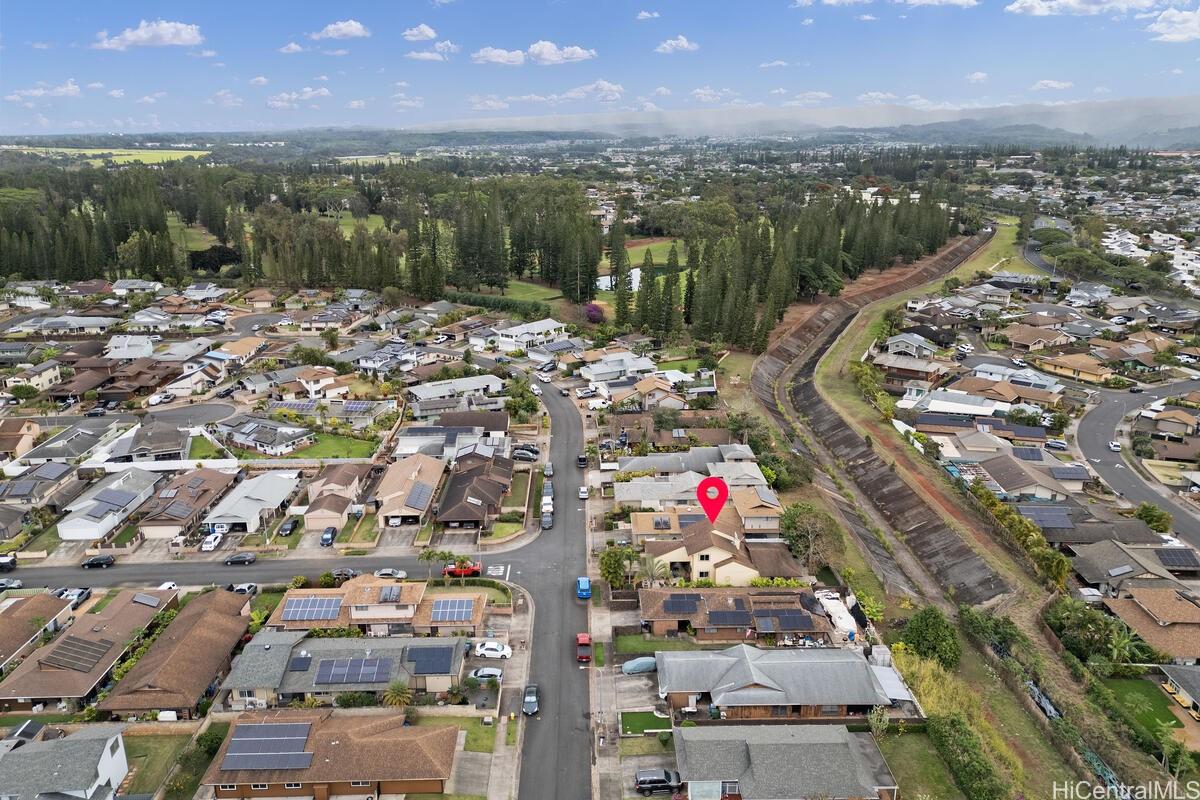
x,y
583,647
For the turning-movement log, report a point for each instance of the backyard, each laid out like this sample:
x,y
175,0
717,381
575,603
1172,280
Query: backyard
x,y
327,445
636,643
1145,700
187,780
917,768
201,447
638,722
150,759
480,738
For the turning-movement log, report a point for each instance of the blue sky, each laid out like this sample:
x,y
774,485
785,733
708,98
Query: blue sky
x,y
135,66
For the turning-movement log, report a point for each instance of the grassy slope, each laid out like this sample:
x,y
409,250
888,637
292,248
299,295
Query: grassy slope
x,y
153,757
917,768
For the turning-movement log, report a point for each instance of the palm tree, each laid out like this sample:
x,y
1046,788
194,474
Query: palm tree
x,y
462,562
397,695
428,555
651,569
1120,646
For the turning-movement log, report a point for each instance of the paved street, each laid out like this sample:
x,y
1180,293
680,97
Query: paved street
x,y
195,414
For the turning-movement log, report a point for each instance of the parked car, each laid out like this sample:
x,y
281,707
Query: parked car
x,y
11,583
484,674
564,392
166,586
328,536
95,412
1017,362
227,392
1135,389
255,328
389,572
241,560
490,648
1114,446
523,455
529,447
583,647
639,666
342,574
1056,444
547,520
245,588
584,392
103,562
548,470
112,405
656,781
452,570
211,542
8,563
288,527
583,587
581,461
530,705
536,390
502,359
544,377
583,493
76,597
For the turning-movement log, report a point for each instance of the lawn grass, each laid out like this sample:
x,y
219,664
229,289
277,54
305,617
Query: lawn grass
x,y
683,364
635,643
645,746
1145,700
190,781
327,445
510,733
480,738
736,394
46,540
201,447
525,290
638,722
104,600
533,509
501,529
125,536
598,653
495,596
637,253
348,223
917,768
152,757
520,485
425,534
292,541
9,720
190,237
266,601
118,155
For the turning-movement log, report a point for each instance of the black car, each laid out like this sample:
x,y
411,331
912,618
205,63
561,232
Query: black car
x,y
103,562
656,781
226,392
241,560
328,536
95,412
1135,389
529,705
529,448
112,405
288,527
344,574
581,461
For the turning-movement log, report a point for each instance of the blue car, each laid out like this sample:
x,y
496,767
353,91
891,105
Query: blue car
x,y
639,666
583,588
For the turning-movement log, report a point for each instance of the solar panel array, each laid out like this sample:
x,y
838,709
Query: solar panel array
x,y
268,745
1178,558
419,495
353,670
81,655
299,406
729,618
1047,516
147,600
307,609
389,594
783,619
1027,453
681,603
356,406
431,660
455,609
300,664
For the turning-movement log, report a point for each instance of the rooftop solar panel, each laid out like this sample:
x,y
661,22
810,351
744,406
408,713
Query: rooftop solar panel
x,y
431,660
271,761
147,600
300,664
675,606
765,625
729,618
1027,453
81,655
353,670
453,610
419,495
114,497
307,609
1178,558
21,488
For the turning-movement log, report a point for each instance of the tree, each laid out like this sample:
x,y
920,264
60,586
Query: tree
x,y
812,535
931,635
653,569
397,695
666,419
23,392
613,561
330,335
428,555
1155,517
462,562
326,580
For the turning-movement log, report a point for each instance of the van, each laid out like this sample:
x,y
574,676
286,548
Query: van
x,y
547,505
211,542
583,588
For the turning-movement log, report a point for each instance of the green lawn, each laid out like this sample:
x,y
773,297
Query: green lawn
x,y
425,534
201,447
520,485
683,364
495,596
190,780
104,600
1145,700
266,601
348,223
598,653
501,529
46,540
658,251
327,445
645,746
152,757
356,530
8,720
642,721
480,739
917,768
191,237
125,536
525,290
635,643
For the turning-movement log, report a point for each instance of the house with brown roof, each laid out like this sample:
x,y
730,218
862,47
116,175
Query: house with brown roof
x,y
1113,567
1175,421
405,492
1005,392
1033,339
705,553
1167,619
75,665
177,507
475,489
17,436
260,299
139,377
189,657
24,620
654,392
240,351
1077,366
332,754
331,494
736,614
759,509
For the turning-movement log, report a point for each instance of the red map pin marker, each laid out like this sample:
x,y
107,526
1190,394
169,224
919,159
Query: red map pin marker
x,y
712,494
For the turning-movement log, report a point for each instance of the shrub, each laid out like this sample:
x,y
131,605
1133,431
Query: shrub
x,y
530,309
664,738
210,742
931,635
962,751
355,699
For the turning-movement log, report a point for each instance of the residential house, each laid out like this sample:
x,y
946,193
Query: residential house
x,y
336,755
73,667
405,492
910,344
14,354
1166,618
331,494
238,352
25,619
12,521
376,606
1114,567
138,378
1183,684
475,489
126,286
1077,366
528,335
127,347
152,441
1176,422
600,366
782,762
264,435
954,402
252,501
294,671
260,299
759,509
1033,339
187,351
705,553
49,485
76,325
493,423
205,293
106,505
83,381
150,320
89,764
17,435
177,507
40,376
743,682
1005,392
189,657
1014,479
787,617
457,387
361,300
659,492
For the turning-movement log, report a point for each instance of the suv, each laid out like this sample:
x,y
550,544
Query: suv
x,y
8,563
524,455
103,562
328,536
656,781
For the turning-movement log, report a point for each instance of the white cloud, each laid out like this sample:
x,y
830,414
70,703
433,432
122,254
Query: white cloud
x,y
420,33
843,2
1101,90
403,101
648,15
320,77
40,45
42,120
778,91
1046,8
399,84
356,104
1047,84
116,94
343,29
151,99
976,77
225,99
486,103
707,94
600,90
807,21
808,98
445,47
341,51
95,85
440,52
959,3
528,98
495,55
1177,71
661,91
292,99
159,33
1174,25
800,3
679,44
68,89
261,80
866,18
291,47
547,53
875,98
204,54
771,64
645,105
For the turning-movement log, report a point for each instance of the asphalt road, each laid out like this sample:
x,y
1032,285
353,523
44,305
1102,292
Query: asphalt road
x,y
196,414
243,324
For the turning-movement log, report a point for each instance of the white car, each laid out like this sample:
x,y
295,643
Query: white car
x,y
394,574
583,493
544,377
441,339
211,542
584,392
492,649
487,673
255,328
167,586
1114,446
537,391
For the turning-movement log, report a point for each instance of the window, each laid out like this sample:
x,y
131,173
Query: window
x,y
258,786
703,574
245,694
292,785
831,711
361,609
728,788
227,787
114,747
779,711
706,557
360,783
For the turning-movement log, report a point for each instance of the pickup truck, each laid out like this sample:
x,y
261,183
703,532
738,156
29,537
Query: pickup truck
x,y
583,647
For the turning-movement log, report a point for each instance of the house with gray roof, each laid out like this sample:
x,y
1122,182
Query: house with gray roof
x,y
782,762
74,442
127,347
457,387
745,682
152,441
50,485
264,435
106,505
89,764
252,501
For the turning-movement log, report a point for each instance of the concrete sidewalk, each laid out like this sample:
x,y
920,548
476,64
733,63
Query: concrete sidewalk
x,y
505,774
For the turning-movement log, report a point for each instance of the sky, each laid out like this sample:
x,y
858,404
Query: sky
x,y
263,65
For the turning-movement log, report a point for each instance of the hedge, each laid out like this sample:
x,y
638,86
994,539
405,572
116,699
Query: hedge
x,y
962,751
531,309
